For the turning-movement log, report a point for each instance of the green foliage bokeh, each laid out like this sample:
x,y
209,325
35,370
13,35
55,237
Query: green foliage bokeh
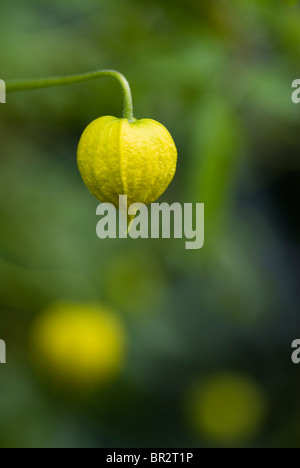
x,y
218,75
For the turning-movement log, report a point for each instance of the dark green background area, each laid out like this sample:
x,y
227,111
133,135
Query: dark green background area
x,y
218,75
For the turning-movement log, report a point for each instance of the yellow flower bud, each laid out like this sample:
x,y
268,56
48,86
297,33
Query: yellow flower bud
x,y
118,157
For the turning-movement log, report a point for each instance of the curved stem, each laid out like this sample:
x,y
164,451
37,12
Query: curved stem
x,y
14,86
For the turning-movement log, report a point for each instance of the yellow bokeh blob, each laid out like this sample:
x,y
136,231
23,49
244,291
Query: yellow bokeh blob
x,y
227,407
78,345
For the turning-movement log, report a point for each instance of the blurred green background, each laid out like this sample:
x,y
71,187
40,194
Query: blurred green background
x,y
209,332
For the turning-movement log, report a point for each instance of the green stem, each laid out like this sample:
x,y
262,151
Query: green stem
x,y
14,86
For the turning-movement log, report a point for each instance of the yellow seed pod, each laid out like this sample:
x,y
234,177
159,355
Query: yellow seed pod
x,y
78,346
118,157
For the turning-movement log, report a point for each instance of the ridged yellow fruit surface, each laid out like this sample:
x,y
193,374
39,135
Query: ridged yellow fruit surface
x,y
118,157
